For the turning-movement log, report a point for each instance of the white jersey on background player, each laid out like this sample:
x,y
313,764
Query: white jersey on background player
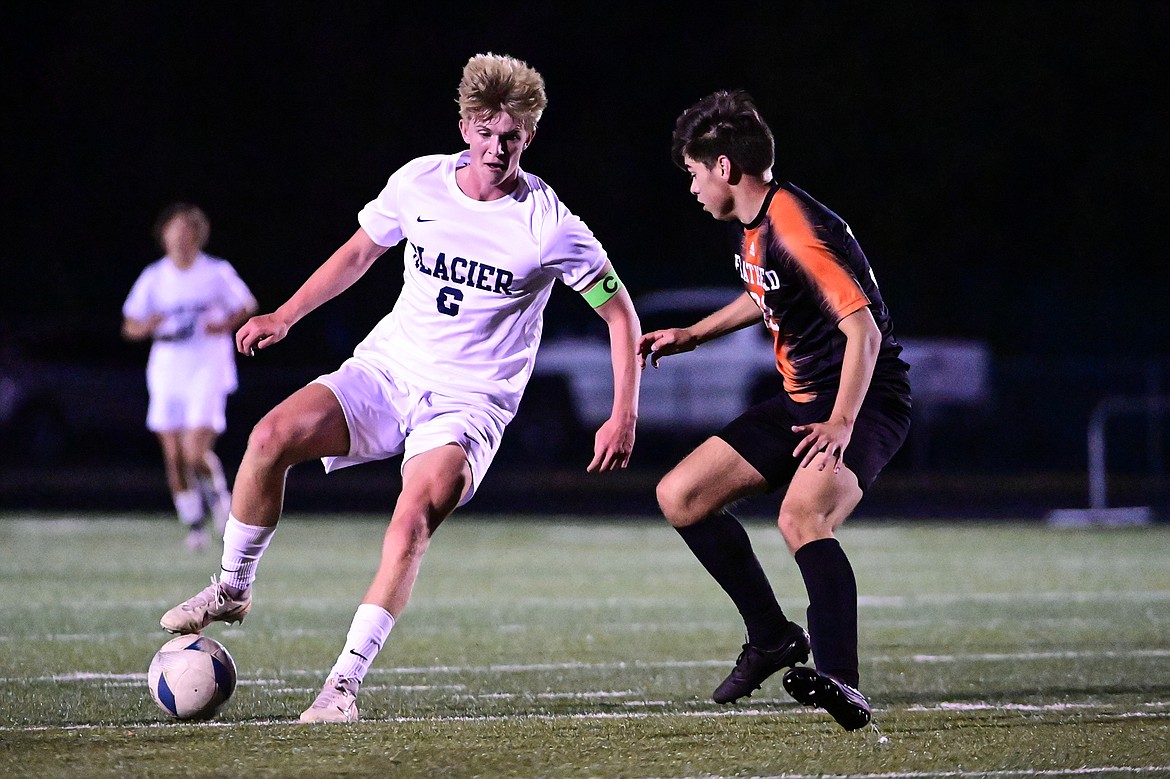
x,y
188,304
190,371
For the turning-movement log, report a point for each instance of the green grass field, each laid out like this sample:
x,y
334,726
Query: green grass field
x,y
588,648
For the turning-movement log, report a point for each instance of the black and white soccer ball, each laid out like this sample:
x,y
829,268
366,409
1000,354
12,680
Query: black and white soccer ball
x,y
191,677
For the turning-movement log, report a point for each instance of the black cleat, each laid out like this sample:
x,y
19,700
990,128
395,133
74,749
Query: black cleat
x,y
754,665
813,688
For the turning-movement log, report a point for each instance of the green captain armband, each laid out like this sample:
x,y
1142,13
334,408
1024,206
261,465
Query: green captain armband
x,y
603,290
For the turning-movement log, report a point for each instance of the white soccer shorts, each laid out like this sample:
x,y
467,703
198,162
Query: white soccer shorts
x,y
186,403
388,416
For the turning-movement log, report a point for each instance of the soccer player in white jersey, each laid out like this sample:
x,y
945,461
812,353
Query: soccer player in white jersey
x,y
439,378
189,304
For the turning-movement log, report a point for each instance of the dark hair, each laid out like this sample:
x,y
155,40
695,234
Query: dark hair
x,y
189,211
724,124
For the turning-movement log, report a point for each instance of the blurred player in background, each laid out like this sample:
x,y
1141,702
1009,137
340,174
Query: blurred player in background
x,y
188,304
843,412
439,378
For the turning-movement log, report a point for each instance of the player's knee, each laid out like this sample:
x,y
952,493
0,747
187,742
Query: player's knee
x,y
270,438
676,502
801,523
409,533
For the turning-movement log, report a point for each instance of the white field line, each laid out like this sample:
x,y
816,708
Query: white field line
x,y
1011,657
668,664
567,603
876,601
789,708
605,628
951,598
1010,623
1042,707
994,774
483,718
82,676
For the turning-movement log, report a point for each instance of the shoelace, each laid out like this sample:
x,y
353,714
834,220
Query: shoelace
x,y
334,695
210,595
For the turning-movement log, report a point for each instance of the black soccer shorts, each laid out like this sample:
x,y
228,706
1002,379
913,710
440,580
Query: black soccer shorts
x,y
763,435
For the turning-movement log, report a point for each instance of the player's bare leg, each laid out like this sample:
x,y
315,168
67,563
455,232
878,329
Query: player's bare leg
x,y
816,504
308,425
196,443
432,485
707,479
170,441
692,497
207,471
180,481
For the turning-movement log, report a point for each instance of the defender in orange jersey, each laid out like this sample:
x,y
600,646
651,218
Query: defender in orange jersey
x,y
843,412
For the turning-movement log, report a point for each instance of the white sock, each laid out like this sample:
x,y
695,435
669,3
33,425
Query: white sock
x,y
189,506
243,545
367,633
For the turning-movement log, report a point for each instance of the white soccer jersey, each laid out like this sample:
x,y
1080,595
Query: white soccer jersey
x,y
477,276
207,292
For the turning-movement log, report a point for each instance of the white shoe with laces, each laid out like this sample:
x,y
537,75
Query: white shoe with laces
x,y
337,702
213,604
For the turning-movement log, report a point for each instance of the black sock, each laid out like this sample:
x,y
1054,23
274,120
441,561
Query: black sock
x,y
832,607
722,546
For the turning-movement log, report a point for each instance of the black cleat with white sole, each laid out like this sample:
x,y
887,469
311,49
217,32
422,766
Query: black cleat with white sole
x,y
813,688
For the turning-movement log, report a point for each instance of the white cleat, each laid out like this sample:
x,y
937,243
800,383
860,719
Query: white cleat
x,y
212,604
336,703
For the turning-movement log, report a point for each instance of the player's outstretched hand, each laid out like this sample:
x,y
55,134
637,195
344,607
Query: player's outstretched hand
x,y
825,441
660,343
260,332
612,446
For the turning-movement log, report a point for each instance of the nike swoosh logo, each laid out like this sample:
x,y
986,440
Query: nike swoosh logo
x,y
419,218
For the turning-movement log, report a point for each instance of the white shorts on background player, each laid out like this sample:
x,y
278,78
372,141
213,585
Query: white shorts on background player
x,y
198,401
388,416
450,362
190,372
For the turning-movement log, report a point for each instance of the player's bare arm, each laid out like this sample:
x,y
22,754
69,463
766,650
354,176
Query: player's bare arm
x,y
140,329
827,440
346,265
614,441
736,315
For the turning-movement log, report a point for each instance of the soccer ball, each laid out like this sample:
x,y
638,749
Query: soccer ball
x,y
191,677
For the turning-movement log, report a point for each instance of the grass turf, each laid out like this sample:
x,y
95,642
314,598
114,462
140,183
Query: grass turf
x,y
584,648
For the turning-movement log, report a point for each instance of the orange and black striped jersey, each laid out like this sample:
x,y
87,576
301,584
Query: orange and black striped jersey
x,y
802,266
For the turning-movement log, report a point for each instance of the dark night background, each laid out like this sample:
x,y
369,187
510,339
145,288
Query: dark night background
x,y
1002,164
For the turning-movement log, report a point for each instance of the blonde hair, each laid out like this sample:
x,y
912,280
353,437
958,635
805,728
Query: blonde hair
x,y
494,83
